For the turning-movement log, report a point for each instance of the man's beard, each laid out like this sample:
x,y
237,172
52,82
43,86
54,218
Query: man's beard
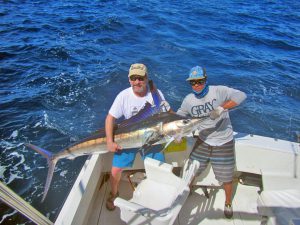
x,y
139,89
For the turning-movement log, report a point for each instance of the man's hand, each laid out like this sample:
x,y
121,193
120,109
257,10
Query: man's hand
x,y
216,113
165,106
178,140
109,127
113,147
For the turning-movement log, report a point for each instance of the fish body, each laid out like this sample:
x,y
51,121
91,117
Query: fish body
x,y
163,126
156,129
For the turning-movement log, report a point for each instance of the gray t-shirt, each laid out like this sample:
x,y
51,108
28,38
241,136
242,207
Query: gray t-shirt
x,y
213,132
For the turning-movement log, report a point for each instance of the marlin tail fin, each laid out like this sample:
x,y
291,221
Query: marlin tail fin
x,y
51,164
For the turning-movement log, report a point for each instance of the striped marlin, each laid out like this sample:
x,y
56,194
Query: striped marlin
x,y
149,127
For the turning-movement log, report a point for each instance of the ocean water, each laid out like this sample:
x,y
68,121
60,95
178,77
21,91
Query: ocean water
x,y
63,62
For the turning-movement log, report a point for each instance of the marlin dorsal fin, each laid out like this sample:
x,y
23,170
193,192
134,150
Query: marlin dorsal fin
x,y
148,109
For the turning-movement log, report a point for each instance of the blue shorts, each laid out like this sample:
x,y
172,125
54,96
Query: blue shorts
x,y
125,158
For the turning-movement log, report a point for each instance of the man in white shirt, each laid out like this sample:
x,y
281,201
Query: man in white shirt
x,y
127,103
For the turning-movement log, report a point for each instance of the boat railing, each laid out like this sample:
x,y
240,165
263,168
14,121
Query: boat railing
x,y
13,200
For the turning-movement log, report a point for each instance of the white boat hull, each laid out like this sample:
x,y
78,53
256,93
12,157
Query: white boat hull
x,y
267,157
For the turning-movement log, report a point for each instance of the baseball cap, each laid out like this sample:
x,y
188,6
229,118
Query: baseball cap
x,y
197,73
137,69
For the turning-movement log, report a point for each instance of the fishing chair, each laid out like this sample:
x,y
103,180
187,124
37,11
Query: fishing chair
x,y
158,199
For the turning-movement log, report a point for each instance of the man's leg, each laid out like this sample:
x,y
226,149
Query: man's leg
x,y
223,163
115,178
228,192
121,160
228,212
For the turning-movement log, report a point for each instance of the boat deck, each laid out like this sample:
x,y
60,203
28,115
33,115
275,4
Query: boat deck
x,y
196,210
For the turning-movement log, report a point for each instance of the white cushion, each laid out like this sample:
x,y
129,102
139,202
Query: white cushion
x,y
283,205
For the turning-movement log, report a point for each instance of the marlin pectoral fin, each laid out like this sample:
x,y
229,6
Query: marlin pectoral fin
x,y
151,139
169,142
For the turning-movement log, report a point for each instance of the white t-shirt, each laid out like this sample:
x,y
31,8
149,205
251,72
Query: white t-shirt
x,y
127,104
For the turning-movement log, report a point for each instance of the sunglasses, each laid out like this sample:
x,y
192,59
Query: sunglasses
x,y
199,82
134,78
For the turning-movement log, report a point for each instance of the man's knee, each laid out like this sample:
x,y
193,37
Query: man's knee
x,y
115,172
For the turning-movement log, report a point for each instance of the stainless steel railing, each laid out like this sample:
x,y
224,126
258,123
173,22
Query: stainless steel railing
x,y
16,202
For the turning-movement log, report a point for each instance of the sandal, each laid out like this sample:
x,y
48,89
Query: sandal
x,y
228,211
110,201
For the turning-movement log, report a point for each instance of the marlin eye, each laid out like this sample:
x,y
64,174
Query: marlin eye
x,y
186,121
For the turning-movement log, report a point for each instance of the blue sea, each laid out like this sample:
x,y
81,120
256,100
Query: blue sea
x,y
63,62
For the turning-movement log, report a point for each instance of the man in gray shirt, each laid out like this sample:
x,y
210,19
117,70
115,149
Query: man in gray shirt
x,y
215,143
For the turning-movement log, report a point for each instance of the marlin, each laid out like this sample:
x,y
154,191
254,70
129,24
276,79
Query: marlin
x,y
149,127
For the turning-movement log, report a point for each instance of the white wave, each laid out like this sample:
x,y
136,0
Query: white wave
x,y
37,187
38,124
40,167
26,167
270,91
51,125
8,145
8,215
15,170
22,159
12,177
63,173
14,134
173,94
2,170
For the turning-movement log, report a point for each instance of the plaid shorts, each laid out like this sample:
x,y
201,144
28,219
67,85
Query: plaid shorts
x,y
222,159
